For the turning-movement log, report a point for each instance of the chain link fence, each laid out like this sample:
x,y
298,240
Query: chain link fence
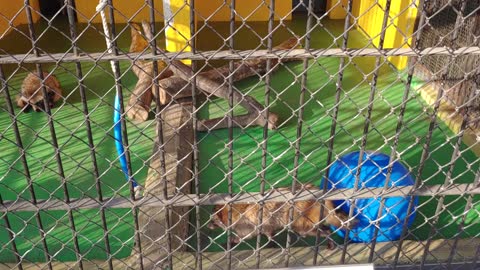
x,y
239,134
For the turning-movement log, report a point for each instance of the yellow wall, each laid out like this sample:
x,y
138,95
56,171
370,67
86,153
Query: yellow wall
x,y
217,9
336,10
370,18
125,10
246,8
177,36
212,10
9,10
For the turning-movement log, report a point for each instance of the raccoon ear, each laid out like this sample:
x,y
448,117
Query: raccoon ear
x,y
220,213
212,225
21,103
57,94
135,27
55,80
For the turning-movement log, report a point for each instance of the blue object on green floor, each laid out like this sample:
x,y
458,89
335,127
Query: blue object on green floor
x,y
373,173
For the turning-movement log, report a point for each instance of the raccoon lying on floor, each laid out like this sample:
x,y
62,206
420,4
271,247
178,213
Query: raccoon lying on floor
x,y
31,95
306,218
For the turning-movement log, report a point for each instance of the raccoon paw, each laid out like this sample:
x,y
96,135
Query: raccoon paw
x,y
235,240
138,192
330,244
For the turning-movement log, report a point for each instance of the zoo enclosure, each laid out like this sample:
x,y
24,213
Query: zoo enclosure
x,y
169,206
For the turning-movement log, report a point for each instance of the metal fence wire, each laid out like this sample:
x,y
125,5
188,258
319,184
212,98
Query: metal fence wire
x,y
183,134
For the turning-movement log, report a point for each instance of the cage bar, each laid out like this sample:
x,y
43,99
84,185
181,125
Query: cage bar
x,y
161,142
195,153
477,253
336,108
468,207
265,134
469,204
11,238
21,150
411,69
393,152
250,197
367,125
53,135
239,55
440,95
119,92
231,42
303,89
91,144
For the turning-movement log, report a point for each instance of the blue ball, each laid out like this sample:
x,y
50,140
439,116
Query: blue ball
x,y
373,174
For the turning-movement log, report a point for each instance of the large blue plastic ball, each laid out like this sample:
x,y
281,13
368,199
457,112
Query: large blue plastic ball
x,y
373,174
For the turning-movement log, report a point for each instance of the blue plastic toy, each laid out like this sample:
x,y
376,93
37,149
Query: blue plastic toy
x,y
373,174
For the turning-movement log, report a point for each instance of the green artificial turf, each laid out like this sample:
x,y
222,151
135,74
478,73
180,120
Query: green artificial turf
x,y
285,94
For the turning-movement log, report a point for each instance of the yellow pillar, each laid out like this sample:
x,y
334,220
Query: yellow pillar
x,y
399,31
177,31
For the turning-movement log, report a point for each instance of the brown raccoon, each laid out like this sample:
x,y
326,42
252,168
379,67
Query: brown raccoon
x,y
32,94
306,218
